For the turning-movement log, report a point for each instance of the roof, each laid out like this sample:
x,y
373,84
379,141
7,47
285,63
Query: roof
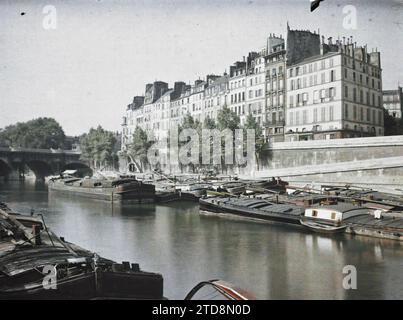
x,y
341,207
315,58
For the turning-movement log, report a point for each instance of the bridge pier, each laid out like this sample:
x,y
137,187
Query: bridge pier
x,y
21,172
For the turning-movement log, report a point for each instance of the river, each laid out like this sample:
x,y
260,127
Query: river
x,y
272,261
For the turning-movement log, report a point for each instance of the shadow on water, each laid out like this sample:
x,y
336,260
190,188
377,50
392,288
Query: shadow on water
x,y
273,261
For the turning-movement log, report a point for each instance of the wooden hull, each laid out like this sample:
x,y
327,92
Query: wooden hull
x,y
323,228
106,194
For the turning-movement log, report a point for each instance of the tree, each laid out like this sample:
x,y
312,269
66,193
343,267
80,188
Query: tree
x,y
209,123
98,147
138,148
393,126
227,119
190,123
41,133
251,123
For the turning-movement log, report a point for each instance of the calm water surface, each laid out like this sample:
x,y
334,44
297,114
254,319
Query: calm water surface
x,y
274,262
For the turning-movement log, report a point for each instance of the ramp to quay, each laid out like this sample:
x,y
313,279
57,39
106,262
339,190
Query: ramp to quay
x,y
375,162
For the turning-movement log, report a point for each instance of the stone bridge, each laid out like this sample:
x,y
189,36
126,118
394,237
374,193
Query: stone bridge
x,y
42,162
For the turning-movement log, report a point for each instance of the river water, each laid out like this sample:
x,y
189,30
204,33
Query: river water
x,y
272,261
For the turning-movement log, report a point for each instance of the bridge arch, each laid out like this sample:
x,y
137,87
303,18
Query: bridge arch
x,y
82,169
5,168
41,169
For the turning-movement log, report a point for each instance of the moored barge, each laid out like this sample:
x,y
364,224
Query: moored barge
x,y
325,216
37,264
117,190
253,209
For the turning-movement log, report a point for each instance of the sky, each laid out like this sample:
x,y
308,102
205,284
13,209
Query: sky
x,y
101,53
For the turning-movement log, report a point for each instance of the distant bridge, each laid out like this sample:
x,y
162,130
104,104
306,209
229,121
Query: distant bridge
x,y
42,162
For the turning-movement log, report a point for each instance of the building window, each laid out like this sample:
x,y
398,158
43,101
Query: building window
x,y
346,111
315,115
332,93
304,117
331,111
332,76
346,91
323,114
316,96
323,78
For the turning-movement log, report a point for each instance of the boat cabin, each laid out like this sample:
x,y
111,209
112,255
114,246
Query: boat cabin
x,y
324,213
334,213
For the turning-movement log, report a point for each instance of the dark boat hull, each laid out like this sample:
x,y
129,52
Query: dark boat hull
x,y
93,285
106,194
245,213
323,228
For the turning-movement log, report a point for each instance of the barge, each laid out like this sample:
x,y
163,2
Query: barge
x,y
37,264
117,190
253,209
325,215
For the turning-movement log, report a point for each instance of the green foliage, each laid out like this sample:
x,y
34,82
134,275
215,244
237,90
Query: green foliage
x,y
41,133
138,148
209,123
251,123
227,119
393,126
189,123
98,147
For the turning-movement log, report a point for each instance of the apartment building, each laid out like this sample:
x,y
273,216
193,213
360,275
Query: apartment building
x,y
393,102
237,88
333,90
275,61
255,88
300,88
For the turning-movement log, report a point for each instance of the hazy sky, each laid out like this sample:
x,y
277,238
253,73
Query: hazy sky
x,y
86,71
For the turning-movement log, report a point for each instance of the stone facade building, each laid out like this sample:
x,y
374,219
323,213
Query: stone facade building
x,y
300,88
275,88
334,94
393,102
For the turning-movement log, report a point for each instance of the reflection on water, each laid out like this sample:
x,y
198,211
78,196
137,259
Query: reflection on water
x,y
273,262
